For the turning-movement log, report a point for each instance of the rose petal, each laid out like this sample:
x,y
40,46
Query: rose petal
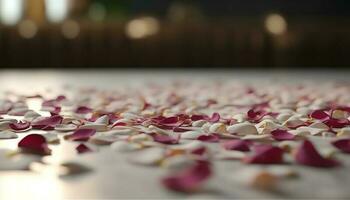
x,y
47,123
237,145
336,123
34,143
198,117
214,118
189,179
319,114
306,154
165,139
209,138
342,144
281,135
7,135
80,135
82,148
83,110
265,154
65,127
20,126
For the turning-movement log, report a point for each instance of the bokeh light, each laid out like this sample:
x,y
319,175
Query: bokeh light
x,y
142,27
11,11
57,10
70,29
276,24
27,29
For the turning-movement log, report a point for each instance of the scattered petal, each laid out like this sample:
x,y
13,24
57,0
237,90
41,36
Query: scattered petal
x,y
82,148
281,135
342,144
306,154
20,126
237,145
265,154
209,138
189,180
7,135
47,123
80,135
34,143
165,139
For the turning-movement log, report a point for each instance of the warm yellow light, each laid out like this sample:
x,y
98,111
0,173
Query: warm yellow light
x,y
276,24
70,29
11,11
142,27
27,29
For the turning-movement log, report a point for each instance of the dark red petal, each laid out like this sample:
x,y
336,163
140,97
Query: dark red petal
x,y
83,110
319,114
336,123
82,148
165,139
47,122
265,154
169,120
306,154
19,126
214,118
81,135
189,179
198,117
200,151
343,145
209,138
34,143
281,135
237,145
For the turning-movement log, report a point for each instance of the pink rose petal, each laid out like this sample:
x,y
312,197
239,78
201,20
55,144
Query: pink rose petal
x,y
34,143
214,118
189,179
306,154
281,135
256,115
165,139
81,135
47,123
342,144
83,110
265,154
237,145
82,148
209,138
20,126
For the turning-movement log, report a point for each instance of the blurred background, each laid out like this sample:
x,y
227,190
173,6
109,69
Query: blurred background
x,y
174,33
